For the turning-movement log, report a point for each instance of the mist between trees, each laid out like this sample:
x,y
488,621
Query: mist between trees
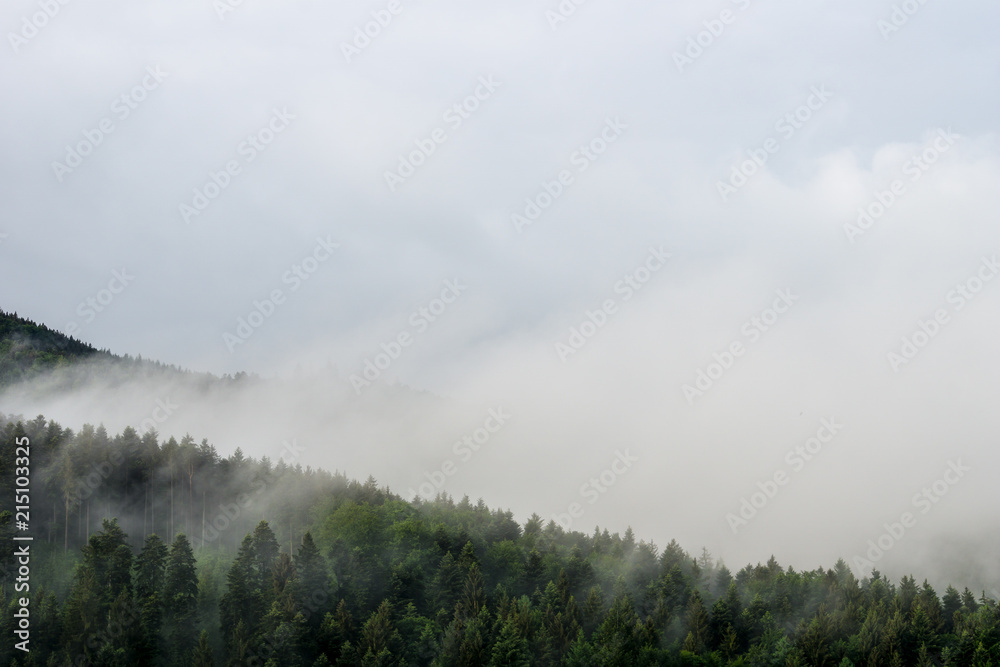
x,y
311,568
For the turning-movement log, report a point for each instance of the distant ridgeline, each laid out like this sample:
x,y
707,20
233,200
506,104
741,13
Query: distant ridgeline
x,y
29,350
166,553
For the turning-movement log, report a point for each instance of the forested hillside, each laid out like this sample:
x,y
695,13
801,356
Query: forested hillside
x,y
152,551
30,351
267,563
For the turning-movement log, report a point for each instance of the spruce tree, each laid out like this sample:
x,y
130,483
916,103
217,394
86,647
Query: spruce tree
x,y
242,604
180,597
203,656
311,593
150,566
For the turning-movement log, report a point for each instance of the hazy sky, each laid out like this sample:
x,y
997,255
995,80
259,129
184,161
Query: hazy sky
x,y
675,170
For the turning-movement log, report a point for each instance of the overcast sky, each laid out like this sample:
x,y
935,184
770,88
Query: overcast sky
x,y
693,164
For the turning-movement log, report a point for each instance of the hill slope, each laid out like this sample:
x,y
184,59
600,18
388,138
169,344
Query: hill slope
x,y
28,349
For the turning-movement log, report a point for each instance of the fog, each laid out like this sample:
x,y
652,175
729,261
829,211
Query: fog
x,y
689,338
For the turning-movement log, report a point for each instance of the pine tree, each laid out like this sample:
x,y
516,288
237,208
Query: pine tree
x,y
265,551
312,588
697,622
180,597
108,555
242,605
616,639
969,601
103,575
124,634
467,559
82,614
581,653
534,570
473,600
379,638
203,656
150,566
48,626
950,603
510,649
337,629
445,587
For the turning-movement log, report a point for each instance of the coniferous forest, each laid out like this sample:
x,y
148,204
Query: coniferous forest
x,y
152,551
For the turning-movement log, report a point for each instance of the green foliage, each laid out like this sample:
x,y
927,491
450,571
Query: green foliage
x,y
180,600
28,350
375,580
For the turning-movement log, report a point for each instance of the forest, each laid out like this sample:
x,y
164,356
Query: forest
x,y
31,351
273,564
151,551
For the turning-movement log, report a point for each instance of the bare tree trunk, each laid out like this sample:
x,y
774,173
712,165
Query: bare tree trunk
x,y
66,526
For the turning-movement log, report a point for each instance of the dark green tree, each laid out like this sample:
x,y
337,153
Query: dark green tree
x,y
203,655
180,600
242,605
150,566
